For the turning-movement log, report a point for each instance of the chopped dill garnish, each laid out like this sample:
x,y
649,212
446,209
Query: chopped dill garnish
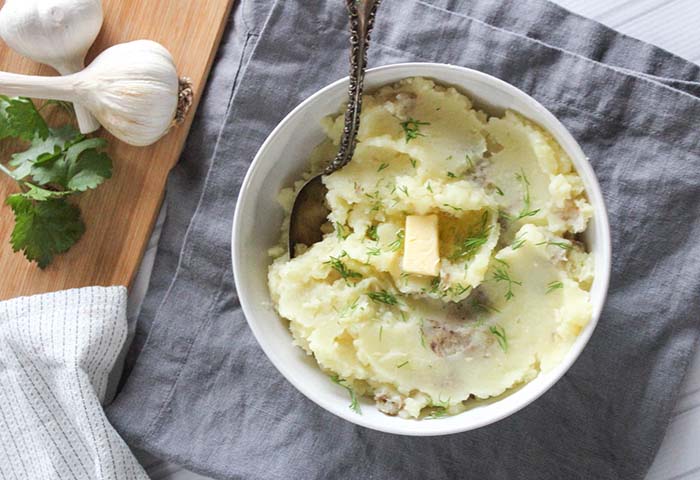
x,y
562,245
457,209
382,167
413,162
469,161
459,289
554,286
504,215
422,335
501,274
468,247
403,364
404,189
525,212
396,245
434,285
347,309
439,412
451,175
429,188
383,296
372,233
411,128
500,335
403,315
374,251
482,307
498,190
341,231
354,404
339,266
376,201
528,213
439,408
518,242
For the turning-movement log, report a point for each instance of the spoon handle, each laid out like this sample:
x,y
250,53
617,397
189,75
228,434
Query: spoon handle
x,y
362,14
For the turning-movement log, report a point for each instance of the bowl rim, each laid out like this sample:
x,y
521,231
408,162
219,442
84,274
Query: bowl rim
x,y
443,427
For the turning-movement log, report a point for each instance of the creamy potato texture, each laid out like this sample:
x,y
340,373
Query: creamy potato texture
x,y
512,291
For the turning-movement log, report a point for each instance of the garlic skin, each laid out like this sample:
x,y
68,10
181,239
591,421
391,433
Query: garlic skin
x,y
132,88
54,32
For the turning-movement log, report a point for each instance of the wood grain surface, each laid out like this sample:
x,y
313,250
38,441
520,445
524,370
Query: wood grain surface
x,y
119,215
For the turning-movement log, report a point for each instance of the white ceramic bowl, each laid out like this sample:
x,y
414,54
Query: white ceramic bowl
x,y
256,227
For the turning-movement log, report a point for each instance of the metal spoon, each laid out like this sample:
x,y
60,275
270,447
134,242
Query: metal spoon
x,y
309,212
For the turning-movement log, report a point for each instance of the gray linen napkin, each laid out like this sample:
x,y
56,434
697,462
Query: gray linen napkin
x,y
201,392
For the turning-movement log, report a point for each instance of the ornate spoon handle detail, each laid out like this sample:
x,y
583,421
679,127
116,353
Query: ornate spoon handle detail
x,y
362,13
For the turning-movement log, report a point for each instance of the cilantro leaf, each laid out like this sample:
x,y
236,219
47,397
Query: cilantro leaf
x,y
43,150
19,118
79,168
59,162
45,228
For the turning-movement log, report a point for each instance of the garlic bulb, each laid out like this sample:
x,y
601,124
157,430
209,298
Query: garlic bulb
x,y
131,88
54,32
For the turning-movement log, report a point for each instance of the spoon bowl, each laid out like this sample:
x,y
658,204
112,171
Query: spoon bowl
x,y
309,211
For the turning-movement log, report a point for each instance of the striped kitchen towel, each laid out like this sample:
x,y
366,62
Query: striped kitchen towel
x,y
56,354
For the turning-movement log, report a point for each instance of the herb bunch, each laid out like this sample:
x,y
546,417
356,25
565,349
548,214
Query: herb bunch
x,y
59,162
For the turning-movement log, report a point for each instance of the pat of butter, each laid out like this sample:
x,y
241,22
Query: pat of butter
x,y
421,253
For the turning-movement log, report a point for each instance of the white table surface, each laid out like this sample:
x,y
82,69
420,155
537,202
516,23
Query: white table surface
x,y
670,24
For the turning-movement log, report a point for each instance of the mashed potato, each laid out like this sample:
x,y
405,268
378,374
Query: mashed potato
x,y
512,291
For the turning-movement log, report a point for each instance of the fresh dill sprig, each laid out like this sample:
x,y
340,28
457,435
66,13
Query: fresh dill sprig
x,y
457,209
500,334
372,252
554,286
525,212
411,128
498,190
383,166
383,296
451,175
339,266
501,274
429,188
340,231
413,162
518,242
562,245
404,189
396,245
402,365
468,247
354,404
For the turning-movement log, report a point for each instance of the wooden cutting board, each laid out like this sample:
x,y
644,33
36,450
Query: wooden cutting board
x,y
119,215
